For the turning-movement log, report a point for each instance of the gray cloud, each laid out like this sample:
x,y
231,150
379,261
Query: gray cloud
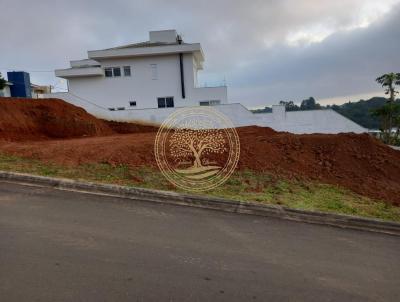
x,y
246,41
345,63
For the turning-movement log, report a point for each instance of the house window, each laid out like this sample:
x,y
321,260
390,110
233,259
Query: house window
x,y
210,103
165,102
127,71
120,108
117,71
108,72
154,71
132,104
111,109
161,102
169,101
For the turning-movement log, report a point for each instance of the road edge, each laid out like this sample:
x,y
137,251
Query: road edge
x,y
214,203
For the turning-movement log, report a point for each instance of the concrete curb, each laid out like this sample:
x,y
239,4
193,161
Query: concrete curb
x,y
166,197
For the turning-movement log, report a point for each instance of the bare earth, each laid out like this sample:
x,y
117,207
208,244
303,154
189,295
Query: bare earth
x,y
32,128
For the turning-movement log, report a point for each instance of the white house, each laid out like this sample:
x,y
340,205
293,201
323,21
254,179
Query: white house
x,y
147,81
160,73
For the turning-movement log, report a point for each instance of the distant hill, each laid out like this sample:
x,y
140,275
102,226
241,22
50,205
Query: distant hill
x,y
358,112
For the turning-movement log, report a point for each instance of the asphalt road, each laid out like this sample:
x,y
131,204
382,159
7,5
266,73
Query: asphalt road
x,y
65,246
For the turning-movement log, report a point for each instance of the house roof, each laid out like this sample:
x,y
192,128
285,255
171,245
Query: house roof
x,y
166,42
145,44
148,49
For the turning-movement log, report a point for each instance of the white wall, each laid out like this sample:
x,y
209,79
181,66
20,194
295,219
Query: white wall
x,y
119,91
310,121
5,92
313,121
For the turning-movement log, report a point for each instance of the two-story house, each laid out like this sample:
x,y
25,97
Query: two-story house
x,y
159,73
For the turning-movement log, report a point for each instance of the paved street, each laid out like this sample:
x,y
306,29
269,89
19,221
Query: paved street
x,y
65,246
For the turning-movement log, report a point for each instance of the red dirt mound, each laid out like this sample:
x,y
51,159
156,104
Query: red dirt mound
x,y
357,162
36,119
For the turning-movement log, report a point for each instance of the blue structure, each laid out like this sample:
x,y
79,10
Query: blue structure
x,y
21,84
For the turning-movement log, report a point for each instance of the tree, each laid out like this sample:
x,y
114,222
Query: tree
x,y
2,82
309,104
190,140
388,114
266,109
389,81
289,106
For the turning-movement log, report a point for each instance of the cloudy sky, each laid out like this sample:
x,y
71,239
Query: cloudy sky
x,y
266,50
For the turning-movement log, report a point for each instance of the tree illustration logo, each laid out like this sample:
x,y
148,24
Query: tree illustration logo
x,y
197,148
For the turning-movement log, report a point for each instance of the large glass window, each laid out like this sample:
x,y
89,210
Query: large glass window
x,y
165,102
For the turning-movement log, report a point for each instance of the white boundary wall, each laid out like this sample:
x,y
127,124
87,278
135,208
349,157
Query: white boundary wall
x,y
299,122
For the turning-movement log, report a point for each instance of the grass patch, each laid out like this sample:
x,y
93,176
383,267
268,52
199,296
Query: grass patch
x,y
242,185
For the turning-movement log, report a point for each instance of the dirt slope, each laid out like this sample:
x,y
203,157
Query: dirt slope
x,y
357,162
35,119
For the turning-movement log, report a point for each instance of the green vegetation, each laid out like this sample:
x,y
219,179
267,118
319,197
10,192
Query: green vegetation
x,y
360,112
243,185
389,114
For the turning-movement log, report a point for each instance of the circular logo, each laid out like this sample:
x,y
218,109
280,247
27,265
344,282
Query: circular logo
x,y
197,148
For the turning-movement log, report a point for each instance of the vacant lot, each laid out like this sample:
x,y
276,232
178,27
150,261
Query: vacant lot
x,y
345,173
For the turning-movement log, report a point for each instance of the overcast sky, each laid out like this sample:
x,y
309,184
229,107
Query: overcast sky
x,y
267,50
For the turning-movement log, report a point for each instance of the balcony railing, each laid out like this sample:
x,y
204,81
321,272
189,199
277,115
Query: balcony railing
x,y
212,84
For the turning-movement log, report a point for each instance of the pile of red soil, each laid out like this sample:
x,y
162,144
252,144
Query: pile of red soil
x,y
35,119
24,119
357,162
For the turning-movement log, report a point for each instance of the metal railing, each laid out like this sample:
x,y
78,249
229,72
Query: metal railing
x,y
211,84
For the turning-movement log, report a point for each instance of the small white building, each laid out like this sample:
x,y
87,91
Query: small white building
x,y
6,92
145,82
